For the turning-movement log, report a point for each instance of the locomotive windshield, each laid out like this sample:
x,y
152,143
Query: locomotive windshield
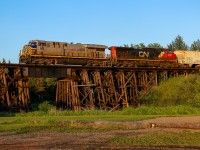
x,y
33,44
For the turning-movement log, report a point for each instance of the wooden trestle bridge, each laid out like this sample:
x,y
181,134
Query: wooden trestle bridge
x,y
83,87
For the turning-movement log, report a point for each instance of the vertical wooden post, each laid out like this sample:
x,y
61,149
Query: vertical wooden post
x,y
23,92
99,89
122,90
136,89
6,87
67,96
86,90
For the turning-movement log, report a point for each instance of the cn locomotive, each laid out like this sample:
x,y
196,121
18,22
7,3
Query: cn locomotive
x,y
51,52
145,57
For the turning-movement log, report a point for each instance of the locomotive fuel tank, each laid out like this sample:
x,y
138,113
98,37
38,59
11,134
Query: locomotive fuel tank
x,y
74,61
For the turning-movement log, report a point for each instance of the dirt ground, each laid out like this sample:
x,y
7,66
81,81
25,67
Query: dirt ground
x,y
96,140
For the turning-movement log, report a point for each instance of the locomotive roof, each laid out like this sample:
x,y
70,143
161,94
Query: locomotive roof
x,y
86,45
132,48
43,41
186,51
95,46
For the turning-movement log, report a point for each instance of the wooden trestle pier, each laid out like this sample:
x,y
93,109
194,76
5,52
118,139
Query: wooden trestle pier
x,y
83,87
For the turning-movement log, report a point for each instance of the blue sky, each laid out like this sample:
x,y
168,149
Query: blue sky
x,y
107,22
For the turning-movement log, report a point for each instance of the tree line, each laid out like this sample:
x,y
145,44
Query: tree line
x,y
177,44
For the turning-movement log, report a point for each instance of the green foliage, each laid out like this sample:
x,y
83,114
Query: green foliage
x,y
42,89
195,45
3,61
178,44
45,106
131,113
175,91
159,139
28,129
170,110
37,84
6,114
125,45
142,45
154,45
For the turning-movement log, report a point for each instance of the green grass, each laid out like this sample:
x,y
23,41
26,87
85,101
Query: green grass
x,y
160,139
59,127
6,114
50,120
169,111
113,115
60,123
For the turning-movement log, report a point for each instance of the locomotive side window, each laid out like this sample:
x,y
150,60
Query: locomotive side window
x,y
65,45
58,45
97,54
42,44
48,45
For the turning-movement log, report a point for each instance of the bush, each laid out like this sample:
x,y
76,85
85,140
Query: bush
x,y
176,91
45,106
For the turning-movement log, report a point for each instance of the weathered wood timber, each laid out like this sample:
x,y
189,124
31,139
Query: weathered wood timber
x,y
78,87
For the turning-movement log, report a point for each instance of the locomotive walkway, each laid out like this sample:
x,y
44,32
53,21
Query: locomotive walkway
x,y
85,87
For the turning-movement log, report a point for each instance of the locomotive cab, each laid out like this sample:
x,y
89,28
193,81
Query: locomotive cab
x,y
27,51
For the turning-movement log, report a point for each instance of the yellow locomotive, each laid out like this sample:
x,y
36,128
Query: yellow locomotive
x,y
51,52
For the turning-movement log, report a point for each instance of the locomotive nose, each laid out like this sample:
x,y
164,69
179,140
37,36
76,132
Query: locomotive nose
x,y
27,50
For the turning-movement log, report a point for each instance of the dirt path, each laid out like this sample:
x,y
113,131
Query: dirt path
x,y
95,140
189,122
178,120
